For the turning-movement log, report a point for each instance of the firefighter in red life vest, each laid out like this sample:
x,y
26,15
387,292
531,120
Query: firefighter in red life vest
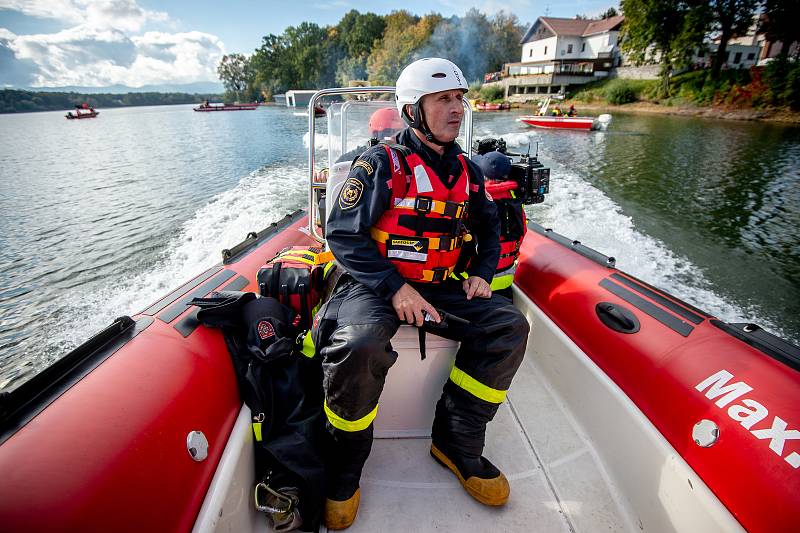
x,y
513,223
396,230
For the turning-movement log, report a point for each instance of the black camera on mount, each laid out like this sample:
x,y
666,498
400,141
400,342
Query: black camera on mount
x,y
532,177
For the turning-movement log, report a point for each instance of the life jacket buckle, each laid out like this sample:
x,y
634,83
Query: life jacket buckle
x,y
423,204
448,243
452,209
440,274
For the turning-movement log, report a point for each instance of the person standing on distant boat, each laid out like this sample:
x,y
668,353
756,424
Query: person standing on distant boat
x,y
396,231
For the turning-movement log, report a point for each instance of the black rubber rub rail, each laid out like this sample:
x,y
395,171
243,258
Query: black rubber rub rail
x,y
573,245
772,345
253,239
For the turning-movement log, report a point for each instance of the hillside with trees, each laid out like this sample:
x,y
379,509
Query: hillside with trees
x,y
15,101
369,47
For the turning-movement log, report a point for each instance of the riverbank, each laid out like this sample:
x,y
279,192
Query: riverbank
x,y
716,112
757,94
17,101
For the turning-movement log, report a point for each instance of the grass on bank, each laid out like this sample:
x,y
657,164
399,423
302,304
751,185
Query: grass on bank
x,y
489,93
777,85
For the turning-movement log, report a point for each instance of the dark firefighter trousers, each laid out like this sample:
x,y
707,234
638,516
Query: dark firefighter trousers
x,y
353,335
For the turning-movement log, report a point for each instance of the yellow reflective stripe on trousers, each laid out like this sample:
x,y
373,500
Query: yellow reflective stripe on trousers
x,y
475,387
347,425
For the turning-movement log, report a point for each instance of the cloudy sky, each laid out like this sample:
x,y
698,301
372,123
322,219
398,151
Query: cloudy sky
x,y
52,43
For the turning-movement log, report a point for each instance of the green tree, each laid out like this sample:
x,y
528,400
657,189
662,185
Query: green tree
x,y
297,59
305,49
272,70
610,12
504,46
729,18
352,40
663,30
779,23
358,33
234,72
404,34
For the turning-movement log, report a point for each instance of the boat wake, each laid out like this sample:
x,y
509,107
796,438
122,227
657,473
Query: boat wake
x,y
580,211
260,198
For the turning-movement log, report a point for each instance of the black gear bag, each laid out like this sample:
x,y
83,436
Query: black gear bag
x,y
283,390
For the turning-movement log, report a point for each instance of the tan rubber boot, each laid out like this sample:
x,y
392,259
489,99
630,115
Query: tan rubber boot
x,y
480,478
339,515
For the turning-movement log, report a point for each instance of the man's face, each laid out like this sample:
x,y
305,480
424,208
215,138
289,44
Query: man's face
x,y
443,113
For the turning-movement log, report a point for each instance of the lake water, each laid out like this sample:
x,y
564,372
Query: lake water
x,y
99,218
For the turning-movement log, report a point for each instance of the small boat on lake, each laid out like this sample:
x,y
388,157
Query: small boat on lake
x,y
488,106
206,107
556,120
82,111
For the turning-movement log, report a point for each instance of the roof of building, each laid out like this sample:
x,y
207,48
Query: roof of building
x,y
575,27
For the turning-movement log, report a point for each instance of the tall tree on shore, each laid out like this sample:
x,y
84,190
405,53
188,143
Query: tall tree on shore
x,y
404,34
356,36
273,73
729,18
293,60
235,74
779,22
665,31
610,12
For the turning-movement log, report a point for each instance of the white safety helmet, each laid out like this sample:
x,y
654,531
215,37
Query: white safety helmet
x,y
426,76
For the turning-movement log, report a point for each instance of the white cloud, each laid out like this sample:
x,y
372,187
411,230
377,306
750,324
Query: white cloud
x,y
103,47
124,15
91,57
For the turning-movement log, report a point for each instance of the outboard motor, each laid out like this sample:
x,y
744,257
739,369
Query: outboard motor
x,y
602,122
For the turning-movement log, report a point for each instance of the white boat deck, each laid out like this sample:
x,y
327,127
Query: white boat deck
x,y
556,481
579,455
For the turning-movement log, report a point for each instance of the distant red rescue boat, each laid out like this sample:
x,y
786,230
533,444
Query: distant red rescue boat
x,y
82,111
559,120
573,123
492,107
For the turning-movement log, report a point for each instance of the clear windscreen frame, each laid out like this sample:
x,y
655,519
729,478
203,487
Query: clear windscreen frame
x,y
346,125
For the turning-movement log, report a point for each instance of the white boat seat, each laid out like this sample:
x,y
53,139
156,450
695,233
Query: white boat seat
x,y
413,386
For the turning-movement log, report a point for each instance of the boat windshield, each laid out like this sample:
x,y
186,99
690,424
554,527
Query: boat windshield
x,y
348,113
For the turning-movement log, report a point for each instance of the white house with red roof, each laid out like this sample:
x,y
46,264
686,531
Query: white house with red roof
x,y
560,53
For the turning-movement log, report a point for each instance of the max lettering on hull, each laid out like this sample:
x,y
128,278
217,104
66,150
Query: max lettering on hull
x,y
749,412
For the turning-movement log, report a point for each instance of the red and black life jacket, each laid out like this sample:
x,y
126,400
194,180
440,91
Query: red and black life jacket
x,y
423,231
513,223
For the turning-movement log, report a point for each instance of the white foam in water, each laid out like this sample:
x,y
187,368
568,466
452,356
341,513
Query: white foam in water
x,y
262,197
577,210
573,208
320,140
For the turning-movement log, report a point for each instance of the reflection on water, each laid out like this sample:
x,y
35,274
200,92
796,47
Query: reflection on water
x,y
99,218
